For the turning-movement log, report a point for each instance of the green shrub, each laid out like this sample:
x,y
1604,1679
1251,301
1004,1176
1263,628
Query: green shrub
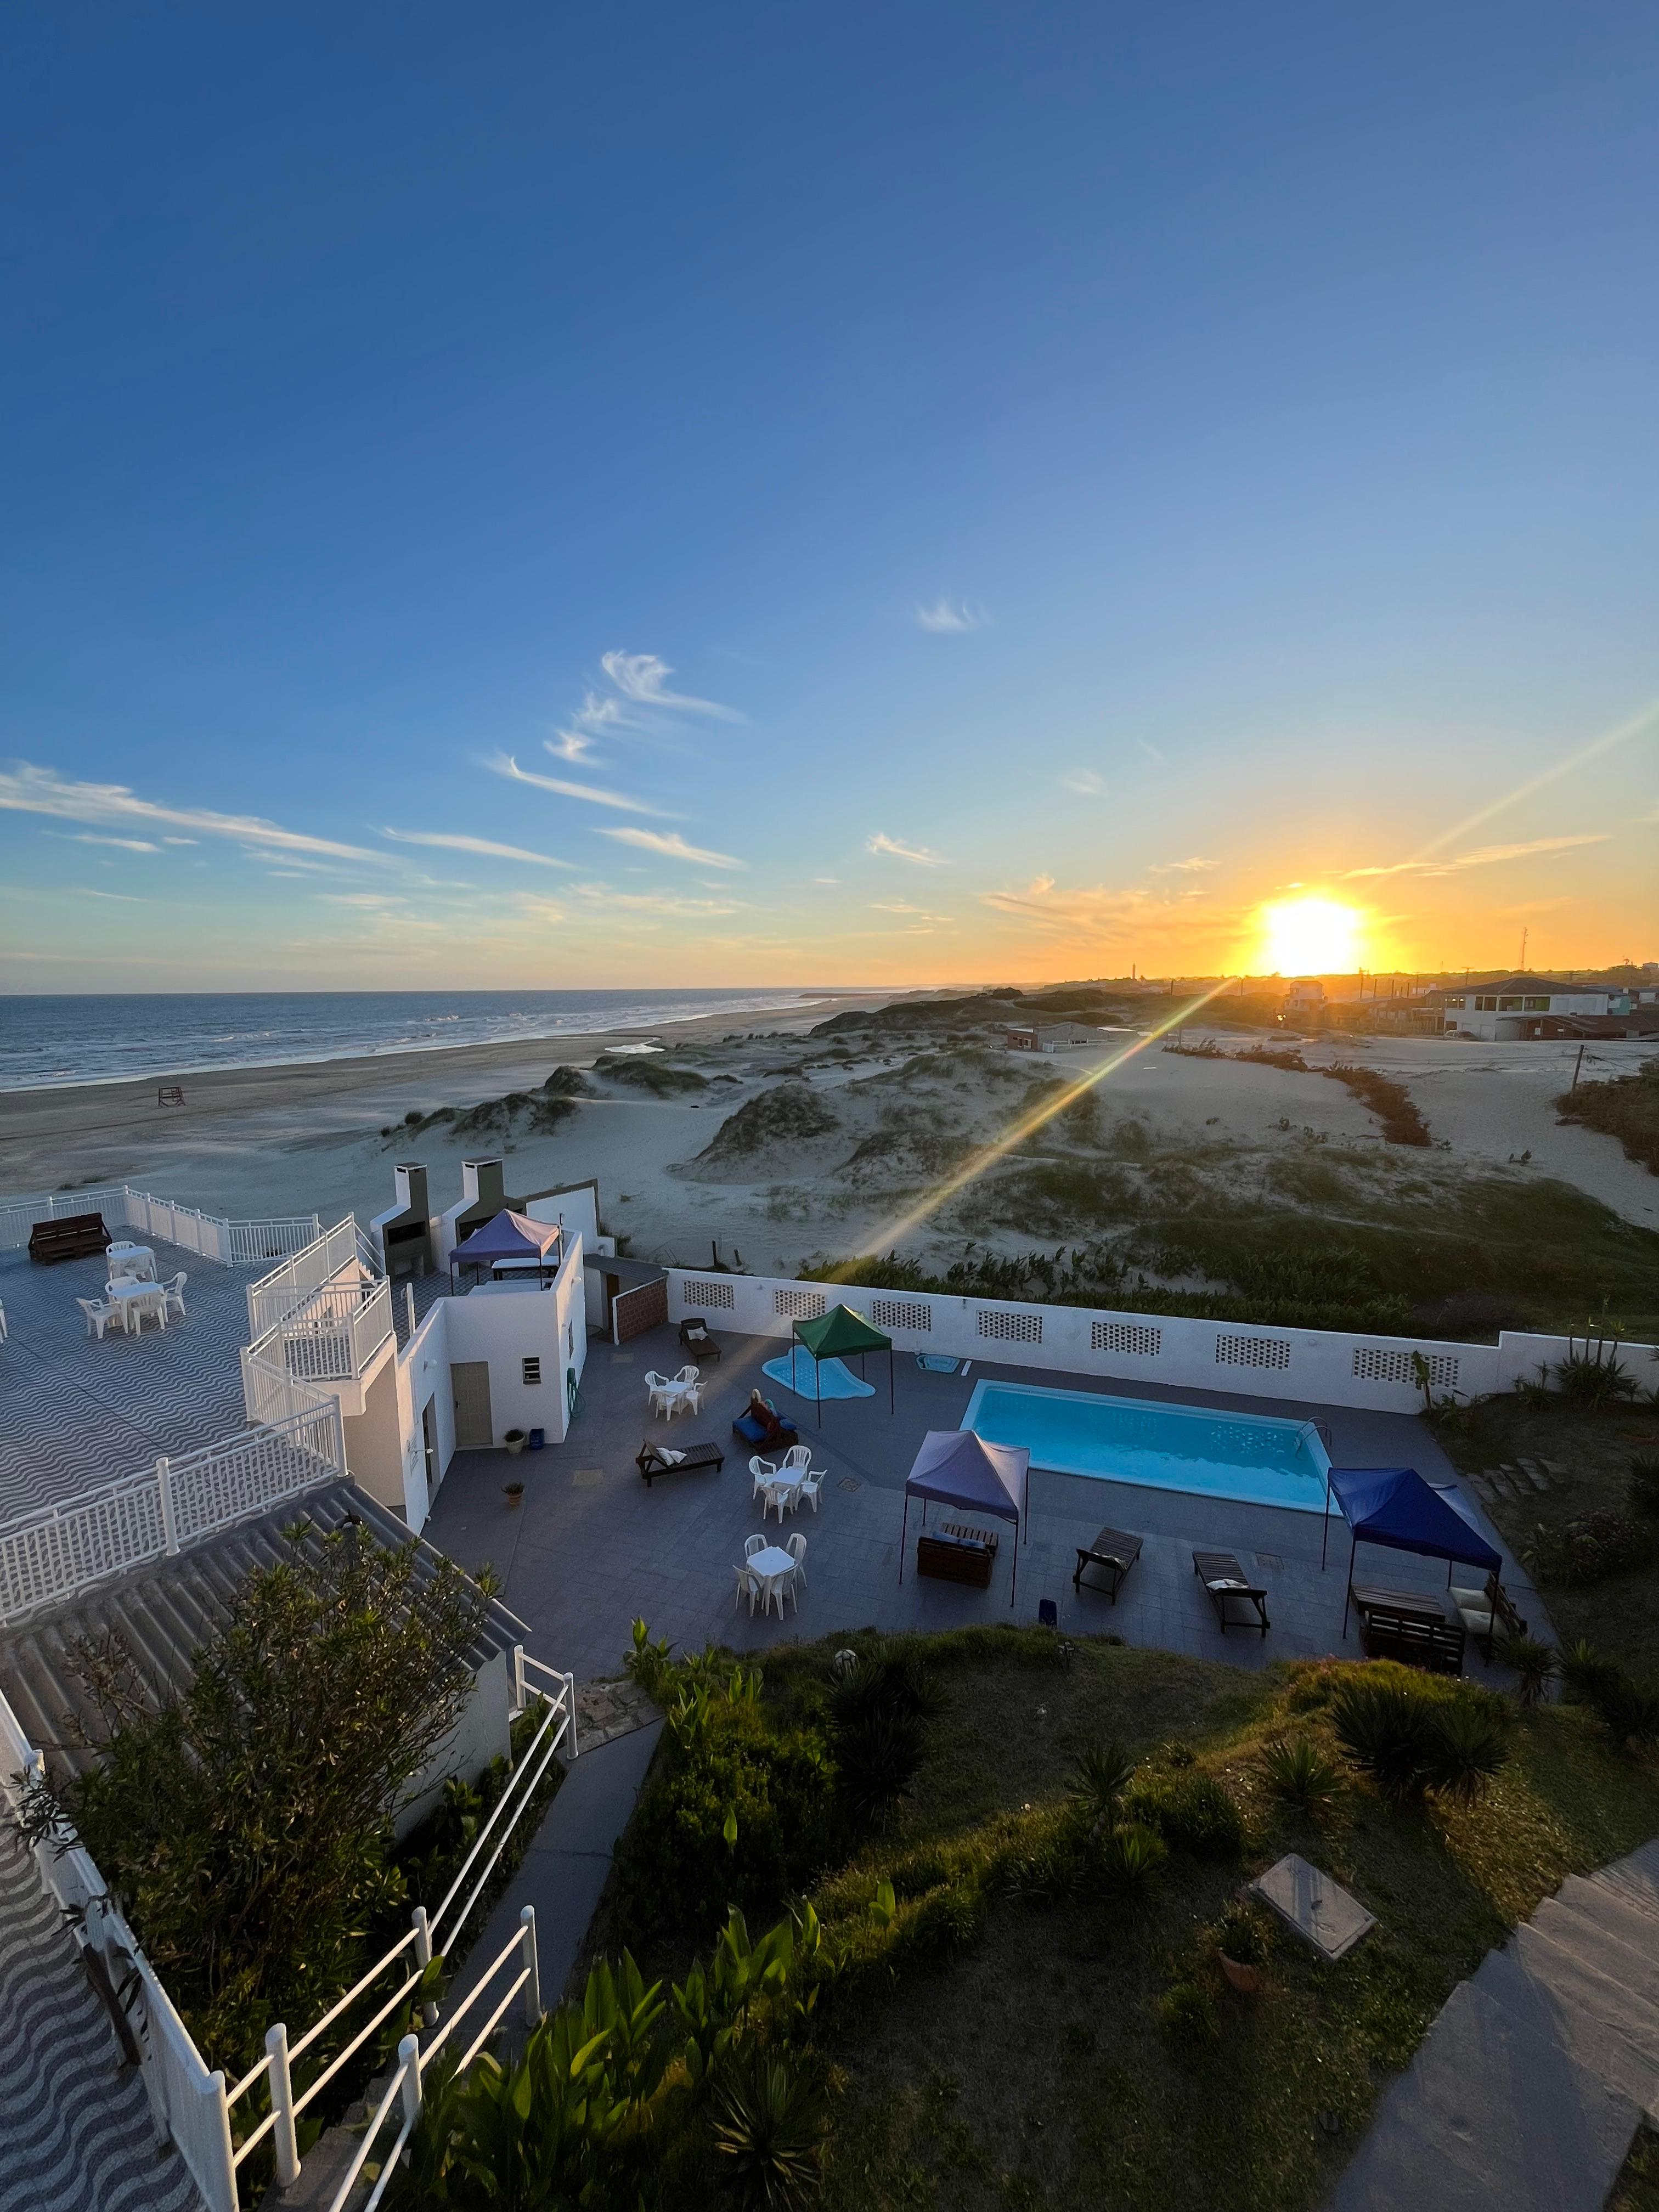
x,y
1592,1547
1469,1744
1388,1730
886,1681
1583,1672
1644,1483
771,2124
1100,1775
1191,1812
1242,1935
877,1757
1130,1859
1296,1770
1593,1383
1186,2014
1532,1664
1629,1712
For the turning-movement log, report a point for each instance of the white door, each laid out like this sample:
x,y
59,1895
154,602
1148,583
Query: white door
x,y
470,1383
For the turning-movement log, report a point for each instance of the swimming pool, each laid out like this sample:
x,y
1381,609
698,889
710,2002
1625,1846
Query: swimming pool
x,y
1243,1456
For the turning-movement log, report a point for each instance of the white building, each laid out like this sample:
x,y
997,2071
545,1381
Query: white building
x,y
1521,1006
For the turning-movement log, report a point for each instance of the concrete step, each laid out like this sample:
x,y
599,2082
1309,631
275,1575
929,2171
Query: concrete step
x,y
1636,1877
1582,1996
1634,1967
1636,1925
1614,2057
1498,2111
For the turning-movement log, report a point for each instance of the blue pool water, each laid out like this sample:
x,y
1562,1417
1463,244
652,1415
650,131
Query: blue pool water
x,y
1243,1456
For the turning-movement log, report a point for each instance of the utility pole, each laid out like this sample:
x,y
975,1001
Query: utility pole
x,y
1523,952
1577,1064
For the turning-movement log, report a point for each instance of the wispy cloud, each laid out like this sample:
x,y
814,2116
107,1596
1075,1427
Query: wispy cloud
x,y
368,901
181,841
485,847
1152,751
881,842
658,902
642,677
29,790
1193,868
904,907
121,898
1095,914
1085,782
504,764
92,837
826,879
951,617
1485,856
671,846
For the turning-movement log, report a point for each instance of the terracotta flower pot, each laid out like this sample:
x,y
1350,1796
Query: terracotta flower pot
x,y
515,1492
1247,1980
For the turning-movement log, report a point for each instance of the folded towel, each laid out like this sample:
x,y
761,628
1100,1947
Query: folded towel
x,y
1226,1583
671,1458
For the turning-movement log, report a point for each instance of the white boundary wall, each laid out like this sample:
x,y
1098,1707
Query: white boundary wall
x,y
1318,1366
233,1243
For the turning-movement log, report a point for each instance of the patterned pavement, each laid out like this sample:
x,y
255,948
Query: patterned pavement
x,y
76,1413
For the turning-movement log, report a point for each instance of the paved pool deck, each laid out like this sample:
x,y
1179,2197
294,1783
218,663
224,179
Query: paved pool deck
x,y
592,1547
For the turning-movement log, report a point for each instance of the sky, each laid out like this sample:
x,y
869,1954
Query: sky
x,y
540,496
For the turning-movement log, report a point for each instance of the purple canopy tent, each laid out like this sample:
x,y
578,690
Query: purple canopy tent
x,y
955,1467
509,1238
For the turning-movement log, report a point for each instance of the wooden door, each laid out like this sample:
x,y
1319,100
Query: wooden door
x,y
470,1381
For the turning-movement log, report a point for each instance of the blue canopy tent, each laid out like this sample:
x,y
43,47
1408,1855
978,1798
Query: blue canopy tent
x,y
1393,1506
955,1467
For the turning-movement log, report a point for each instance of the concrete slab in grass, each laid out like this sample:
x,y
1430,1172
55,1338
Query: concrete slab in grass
x,y
1318,1909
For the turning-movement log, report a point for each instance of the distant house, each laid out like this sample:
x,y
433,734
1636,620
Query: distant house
x,y
1051,1037
1304,1000
1538,1006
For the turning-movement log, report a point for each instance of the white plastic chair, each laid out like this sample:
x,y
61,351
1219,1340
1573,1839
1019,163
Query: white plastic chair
x,y
689,1375
98,1315
751,1545
797,1456
810,1486
173,1294
765,1475
796,1548
2,1324
660,1392
744,1582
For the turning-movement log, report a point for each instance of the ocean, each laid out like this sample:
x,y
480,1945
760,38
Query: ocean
x,y
91,1038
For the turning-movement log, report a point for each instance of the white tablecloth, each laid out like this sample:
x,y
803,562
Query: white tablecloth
x,y
135,1300
134,1261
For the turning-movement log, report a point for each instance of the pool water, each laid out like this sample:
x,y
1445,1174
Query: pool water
x,y
1243,1456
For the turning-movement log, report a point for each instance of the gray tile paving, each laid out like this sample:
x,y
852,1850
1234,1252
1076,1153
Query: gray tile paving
x,y
581,1560
76,1413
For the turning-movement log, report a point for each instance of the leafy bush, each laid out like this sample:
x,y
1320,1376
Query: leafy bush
x,y
1296,1770
1191,1812
1186,2014
1241,1936
886,1681
1410,1739
769,2123
1592,1547
1100,1775
1130,1859
1532,1664
1629,1712
1592,1384
877,1757
1469,1744
1644,1483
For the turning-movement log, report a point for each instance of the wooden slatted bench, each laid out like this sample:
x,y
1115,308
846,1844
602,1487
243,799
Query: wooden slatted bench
x,y
955,1555
1404,1633
70,1236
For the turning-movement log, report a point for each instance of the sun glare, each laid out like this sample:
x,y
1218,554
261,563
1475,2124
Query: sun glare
x,y
1308,937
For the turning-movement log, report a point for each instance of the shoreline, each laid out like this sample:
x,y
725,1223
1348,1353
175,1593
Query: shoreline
x,y
232,1106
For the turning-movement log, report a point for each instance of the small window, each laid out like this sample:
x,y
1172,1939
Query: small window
x,y
533,1373
1538,1006
570,1339
1509,1005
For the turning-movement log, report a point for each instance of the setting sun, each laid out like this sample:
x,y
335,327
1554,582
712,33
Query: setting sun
x,y
1309,937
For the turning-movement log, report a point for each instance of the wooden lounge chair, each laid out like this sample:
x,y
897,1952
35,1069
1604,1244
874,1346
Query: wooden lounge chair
x,y
1224,1579
654,1460
1113,1552
694,1336
70,1236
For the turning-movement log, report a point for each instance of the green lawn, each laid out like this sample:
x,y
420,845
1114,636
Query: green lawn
x,y
1028,2067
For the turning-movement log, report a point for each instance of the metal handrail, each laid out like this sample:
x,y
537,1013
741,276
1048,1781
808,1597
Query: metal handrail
x,y
554,1707
472,1995
369,2133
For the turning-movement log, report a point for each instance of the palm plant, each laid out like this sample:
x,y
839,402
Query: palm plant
x,y
1100,1775
1298,1771
770,2124
1531,1662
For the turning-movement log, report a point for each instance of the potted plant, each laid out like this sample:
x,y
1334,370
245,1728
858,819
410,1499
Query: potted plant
x,y
512,1491
514,1441
1242,1948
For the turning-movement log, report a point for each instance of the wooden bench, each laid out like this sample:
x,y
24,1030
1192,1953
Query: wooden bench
x,y
954,1554
1406,1634
654,1460
70,1236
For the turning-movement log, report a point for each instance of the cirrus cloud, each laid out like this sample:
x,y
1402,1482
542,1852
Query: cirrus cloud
x,y
898,850
671,846
487,847
504,764
26,789
949,618
643,678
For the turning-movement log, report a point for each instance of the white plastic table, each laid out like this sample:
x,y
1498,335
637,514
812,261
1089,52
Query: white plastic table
x,y
131,1262
783,1490
772,1568
135,1300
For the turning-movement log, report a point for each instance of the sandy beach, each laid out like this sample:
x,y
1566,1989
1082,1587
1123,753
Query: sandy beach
x,y
775,1146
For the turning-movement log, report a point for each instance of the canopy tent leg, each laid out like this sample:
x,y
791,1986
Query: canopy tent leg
x,y
1347,1595
903,1535
890,1402
1325,1528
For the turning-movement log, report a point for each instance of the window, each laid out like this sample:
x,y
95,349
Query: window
x,y
570,1339
532,1374
1509,1005
1486,1006
1135,1338
1537,1005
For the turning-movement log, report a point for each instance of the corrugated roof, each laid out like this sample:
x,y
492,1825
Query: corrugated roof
x,y
164,1614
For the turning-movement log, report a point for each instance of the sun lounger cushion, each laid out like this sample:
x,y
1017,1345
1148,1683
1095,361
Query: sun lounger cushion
x,y
752,1433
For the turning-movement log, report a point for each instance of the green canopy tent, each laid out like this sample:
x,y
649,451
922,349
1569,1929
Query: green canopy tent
x,y
834,1335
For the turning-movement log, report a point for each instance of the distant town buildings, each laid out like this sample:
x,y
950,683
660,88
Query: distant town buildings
x,y
1522,1006
1051,1037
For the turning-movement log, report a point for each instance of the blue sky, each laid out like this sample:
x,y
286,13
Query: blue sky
x,y
1091,473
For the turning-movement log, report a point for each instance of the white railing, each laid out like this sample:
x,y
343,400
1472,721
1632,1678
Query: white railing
x,y
187,2098
334,1334
53,1553
231,1242
403,1965
1330,1367
327,1255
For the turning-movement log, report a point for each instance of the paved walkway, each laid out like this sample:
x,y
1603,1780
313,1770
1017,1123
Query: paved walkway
x,y
75,2134
1529,2088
